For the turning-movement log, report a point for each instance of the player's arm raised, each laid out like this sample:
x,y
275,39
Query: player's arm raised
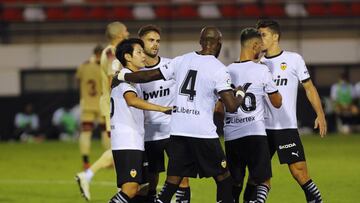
x,y
141,76
134,101
313,97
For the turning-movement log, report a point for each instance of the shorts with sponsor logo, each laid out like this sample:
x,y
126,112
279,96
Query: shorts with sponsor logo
x,y
288,145
252,152
130,166
195,157
155,153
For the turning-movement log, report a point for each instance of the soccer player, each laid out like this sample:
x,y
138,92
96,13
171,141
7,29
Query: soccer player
x,y
288,68
127,124
157,124
115,33
88,75
246,143
194,147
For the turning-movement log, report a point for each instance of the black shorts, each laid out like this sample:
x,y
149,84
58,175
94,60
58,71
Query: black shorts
x,y
288,145
130,166
251,152
192,157
155,155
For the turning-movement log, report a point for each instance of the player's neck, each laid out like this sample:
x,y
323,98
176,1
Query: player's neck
x,y
246,56
152,61
273,51
132,67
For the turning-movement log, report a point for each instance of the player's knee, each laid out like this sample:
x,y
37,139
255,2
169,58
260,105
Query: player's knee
x,y
184,182
87,126
222,176
174,179
130,190
299,171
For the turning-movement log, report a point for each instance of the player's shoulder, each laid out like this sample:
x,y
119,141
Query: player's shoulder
x,y
165,59
293,55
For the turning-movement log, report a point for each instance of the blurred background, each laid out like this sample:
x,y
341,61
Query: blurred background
x,y
43,42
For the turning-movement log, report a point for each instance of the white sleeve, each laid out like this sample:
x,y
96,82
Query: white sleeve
x,y
269,84
168,70
301,69
126,87
333,92
222,80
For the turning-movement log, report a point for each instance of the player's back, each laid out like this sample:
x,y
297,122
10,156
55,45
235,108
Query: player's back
x,y
198,79
249,118
90,85
288,68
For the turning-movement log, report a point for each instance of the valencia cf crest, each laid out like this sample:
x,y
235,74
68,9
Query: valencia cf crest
x,y
133,173
283,66
223,163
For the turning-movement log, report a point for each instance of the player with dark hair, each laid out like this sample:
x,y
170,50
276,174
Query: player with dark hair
x,y
194,147
157,125
127,124
245,137
288,68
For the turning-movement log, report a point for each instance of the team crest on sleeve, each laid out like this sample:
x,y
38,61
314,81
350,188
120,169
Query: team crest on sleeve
x,y
283,66
133,173
223,163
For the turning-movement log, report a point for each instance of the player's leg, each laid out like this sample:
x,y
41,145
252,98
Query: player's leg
x,y
291,152
259,165
155,154
250,190
181,164
183,194
87,126
84,178
105,132
129,173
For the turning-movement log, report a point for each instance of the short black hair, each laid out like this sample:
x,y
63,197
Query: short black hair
x,y
271,24
127,47
248,34
148,28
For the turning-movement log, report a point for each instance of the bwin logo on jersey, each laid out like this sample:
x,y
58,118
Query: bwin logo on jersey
x,y
287,146
155,94
280,81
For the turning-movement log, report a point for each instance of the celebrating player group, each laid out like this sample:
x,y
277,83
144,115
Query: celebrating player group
x,y
160,105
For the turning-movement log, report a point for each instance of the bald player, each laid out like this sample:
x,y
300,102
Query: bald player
x,y
115,33
194,146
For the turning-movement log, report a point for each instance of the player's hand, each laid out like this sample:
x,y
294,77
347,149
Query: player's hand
x,y
167,110
320,122
239,92
115,82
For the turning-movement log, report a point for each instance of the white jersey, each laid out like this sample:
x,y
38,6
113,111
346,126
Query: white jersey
x,y
127,123
160,92
288,68
256,79
198,80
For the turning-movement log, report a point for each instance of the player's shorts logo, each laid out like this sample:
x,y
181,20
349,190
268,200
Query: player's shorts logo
x,y
133,173
223,163
283,66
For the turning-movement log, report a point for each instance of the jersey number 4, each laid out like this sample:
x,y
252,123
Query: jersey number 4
x,y
187,88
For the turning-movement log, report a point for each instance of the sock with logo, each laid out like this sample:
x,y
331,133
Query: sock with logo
x,y
120,197
312,193
224,190
166,193
151,196
236,191
262,191
183,195
250,193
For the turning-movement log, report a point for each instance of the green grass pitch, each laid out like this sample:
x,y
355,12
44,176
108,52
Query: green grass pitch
x,y
44,173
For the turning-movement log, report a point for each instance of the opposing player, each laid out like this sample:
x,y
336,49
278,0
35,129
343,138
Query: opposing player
x,y
88,75
127,124
288,68
194,147
115,33
157,124
246,143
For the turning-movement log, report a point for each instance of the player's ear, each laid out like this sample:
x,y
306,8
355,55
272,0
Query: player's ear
x,y
276,37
